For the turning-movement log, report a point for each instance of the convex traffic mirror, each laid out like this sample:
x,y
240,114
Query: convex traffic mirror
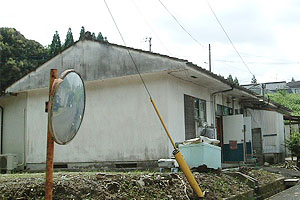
x,y
66,106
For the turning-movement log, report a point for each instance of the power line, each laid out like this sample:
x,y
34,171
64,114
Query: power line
x,y
148,24
258,62
266,57
183,28
270,58
138,71
228,37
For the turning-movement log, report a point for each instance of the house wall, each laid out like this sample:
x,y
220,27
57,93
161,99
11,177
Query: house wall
x,y
112,129
233,130
14,125
36,140
272,128
177,88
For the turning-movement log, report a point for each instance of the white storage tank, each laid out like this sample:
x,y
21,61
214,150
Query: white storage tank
x,y
200,154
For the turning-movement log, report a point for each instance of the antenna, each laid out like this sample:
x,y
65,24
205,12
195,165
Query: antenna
x,y
149,39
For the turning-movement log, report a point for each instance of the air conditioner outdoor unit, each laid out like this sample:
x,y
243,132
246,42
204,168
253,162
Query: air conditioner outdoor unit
x,y
8,162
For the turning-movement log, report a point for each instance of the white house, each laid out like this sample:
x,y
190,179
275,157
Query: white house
x,y
120,127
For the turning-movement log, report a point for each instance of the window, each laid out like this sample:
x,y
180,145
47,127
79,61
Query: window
x,y
223,110
194,115
226,110
200,110
219,111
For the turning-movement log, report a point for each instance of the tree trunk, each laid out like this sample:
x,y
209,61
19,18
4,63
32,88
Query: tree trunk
x,y
298,161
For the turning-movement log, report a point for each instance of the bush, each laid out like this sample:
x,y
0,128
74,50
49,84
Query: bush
x,y
293,144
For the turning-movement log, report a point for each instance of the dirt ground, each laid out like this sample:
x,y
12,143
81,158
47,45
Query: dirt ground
x,y
113,185
263,177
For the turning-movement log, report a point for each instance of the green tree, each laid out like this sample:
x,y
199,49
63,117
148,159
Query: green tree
x,y
236,81
18,56
94,36
253,80
293,80
289,100
69,39
55,46
82,32
293,144
100,37
229,78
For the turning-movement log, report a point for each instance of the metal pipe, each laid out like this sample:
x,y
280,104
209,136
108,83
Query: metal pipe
x,y
222,91
1,129
179,158
245,145
213,95
50,147
24,134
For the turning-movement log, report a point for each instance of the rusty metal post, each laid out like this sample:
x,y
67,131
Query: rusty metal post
x,y
50,147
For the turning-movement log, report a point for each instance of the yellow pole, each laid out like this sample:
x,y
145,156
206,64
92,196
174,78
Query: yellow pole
x,y
179,158
187,172
163,123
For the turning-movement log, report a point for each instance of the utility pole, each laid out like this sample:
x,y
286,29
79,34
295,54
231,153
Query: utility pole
x,y
209,59
149,39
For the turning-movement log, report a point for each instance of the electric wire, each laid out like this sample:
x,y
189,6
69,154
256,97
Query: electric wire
x,y
268,58
138,71
183,28
258,62
228,37
148,24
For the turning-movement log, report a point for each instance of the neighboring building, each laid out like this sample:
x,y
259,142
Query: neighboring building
x,y
269,87
120,127
273,87
294,86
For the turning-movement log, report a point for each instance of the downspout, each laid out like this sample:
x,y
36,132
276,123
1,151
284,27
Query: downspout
x,y
1,129
24,146
213,97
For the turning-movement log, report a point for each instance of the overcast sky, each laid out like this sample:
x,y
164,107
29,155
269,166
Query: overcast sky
x,y
265,33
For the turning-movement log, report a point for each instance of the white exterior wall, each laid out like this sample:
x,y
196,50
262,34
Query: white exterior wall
x,y
177,88
271,123
119,123
14,125
247,123
36,126
233,128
